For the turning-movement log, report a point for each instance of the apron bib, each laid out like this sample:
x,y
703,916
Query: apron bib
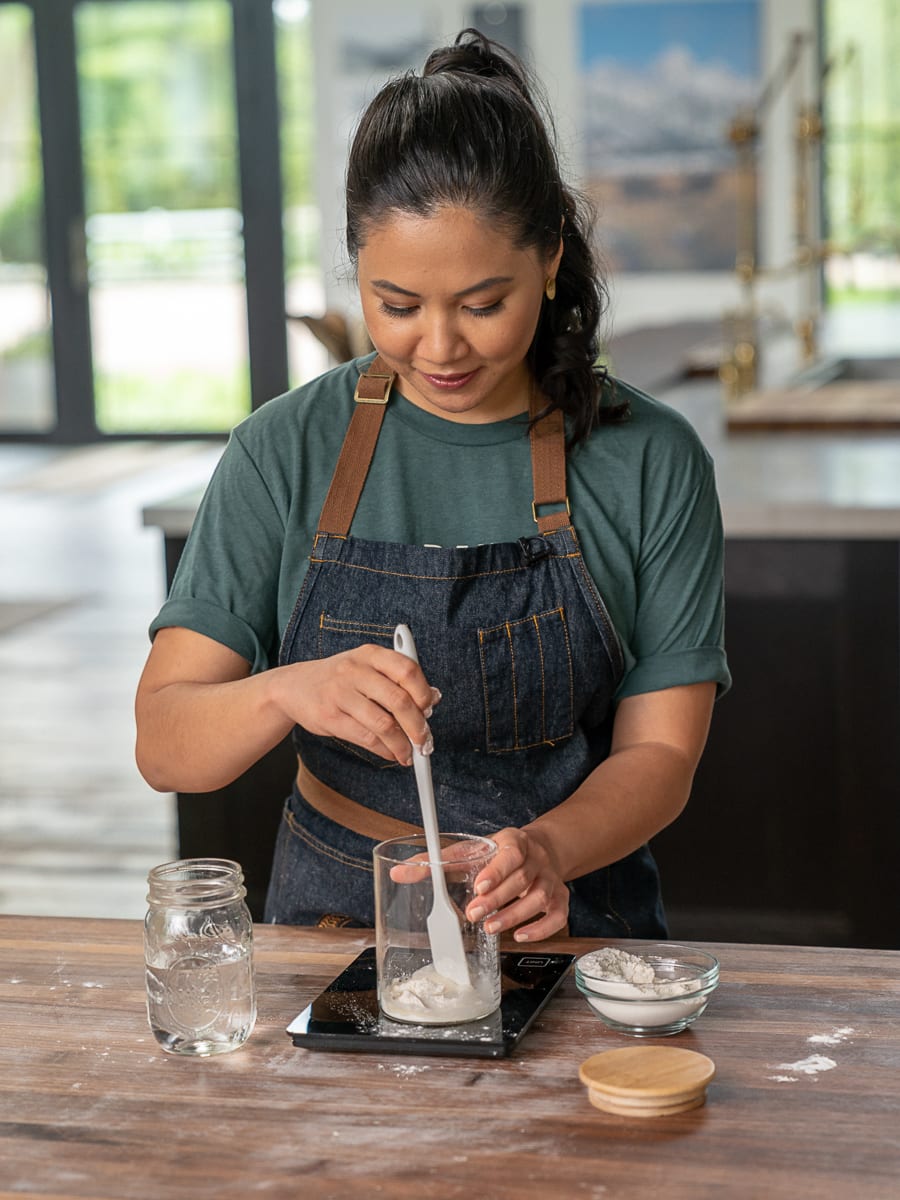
x,y
516,637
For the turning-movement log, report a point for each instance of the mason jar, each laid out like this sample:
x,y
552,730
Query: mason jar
x,y
198,956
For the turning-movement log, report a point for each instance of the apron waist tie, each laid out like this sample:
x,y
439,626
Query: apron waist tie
x,y
346,812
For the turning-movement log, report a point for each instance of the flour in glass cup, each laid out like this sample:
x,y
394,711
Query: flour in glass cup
x,y
429,998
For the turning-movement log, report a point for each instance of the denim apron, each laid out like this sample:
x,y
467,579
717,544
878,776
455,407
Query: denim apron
x,y
518,640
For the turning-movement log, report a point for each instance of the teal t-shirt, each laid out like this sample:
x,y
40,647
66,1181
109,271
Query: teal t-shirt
x,y
642,496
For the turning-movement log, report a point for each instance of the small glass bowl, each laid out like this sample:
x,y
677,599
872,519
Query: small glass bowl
x,y
634,1008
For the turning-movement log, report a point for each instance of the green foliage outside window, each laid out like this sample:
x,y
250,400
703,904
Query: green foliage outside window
x,y
862,125
157,106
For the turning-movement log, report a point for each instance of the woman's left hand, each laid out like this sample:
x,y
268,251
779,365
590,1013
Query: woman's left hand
x,y
520,889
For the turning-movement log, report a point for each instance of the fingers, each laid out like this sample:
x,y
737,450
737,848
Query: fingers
x,y
371,696
393,745
455,857
519,890
385,691
506,875
548,904
385,721
410,872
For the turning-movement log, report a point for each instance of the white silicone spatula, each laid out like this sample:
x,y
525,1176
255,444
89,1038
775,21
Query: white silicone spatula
x,y
444,932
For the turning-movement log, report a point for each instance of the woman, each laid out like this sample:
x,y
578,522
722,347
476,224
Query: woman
x,y
567,679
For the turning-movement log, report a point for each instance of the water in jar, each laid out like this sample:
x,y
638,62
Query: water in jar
x,y
201,1001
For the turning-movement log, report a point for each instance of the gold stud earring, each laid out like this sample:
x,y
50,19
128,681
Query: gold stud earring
x,y
550,288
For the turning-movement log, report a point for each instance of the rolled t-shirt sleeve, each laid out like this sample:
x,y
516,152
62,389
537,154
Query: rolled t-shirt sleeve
x,y
678,635
226,583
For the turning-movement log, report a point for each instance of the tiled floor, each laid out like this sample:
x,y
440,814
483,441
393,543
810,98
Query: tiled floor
x,y
79,828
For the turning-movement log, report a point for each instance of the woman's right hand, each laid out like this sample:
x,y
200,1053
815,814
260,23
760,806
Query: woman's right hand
x,y
371,696
202,718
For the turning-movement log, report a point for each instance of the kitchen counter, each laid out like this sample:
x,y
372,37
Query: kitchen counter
x,y
771,485
92,1107
793,484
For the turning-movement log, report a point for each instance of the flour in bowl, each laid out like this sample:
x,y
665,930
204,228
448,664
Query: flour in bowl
x,y
619,966
627,990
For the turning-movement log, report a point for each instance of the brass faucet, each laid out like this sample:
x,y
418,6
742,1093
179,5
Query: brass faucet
x,y
739,368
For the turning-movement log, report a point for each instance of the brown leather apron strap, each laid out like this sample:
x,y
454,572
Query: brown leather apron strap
x,y
371,396
346,812
548,467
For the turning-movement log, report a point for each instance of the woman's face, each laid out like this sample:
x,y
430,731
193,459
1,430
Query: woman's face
x,y
452,305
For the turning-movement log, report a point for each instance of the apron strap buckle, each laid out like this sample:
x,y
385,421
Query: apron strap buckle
x,y
548,522
374,387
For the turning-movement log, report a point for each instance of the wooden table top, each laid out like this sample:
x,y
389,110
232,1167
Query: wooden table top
x,y
90,1106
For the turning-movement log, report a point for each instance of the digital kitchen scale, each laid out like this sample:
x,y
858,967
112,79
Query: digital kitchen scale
x,y
346,1015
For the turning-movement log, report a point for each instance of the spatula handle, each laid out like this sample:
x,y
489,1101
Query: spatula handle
x,y
404,643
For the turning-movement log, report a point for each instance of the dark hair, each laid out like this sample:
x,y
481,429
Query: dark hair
x,y
472,131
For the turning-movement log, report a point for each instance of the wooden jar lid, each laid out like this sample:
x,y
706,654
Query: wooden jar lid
x,y
647,1081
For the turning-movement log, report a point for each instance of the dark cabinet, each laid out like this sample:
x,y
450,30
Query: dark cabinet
x,y
793,829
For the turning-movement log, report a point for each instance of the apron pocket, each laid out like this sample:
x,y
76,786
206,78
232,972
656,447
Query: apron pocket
x,y
526,669
337,634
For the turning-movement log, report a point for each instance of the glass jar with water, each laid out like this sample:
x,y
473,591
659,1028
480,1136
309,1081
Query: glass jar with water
x,y
198,954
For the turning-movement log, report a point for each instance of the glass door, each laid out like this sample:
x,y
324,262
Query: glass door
x,y
27,399
141,206
163,223
304,292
